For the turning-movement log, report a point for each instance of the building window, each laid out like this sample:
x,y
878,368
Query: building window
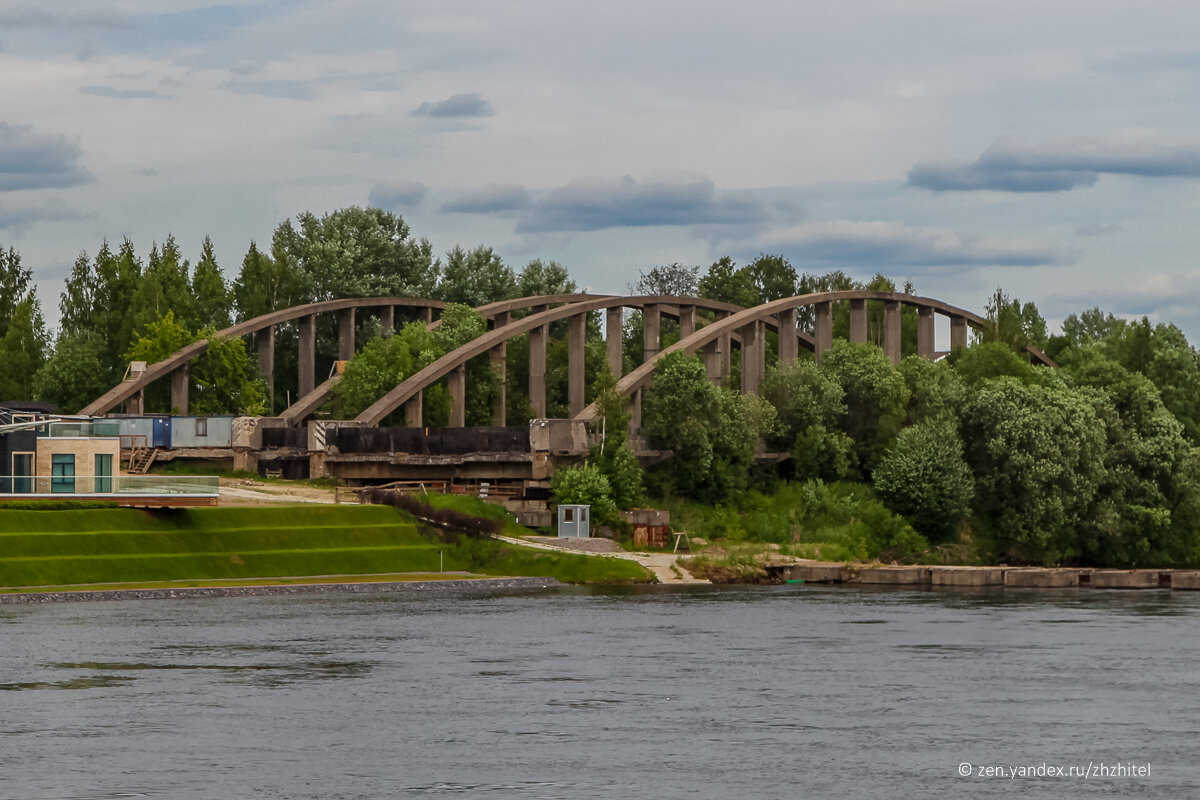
x,y
568,515
62,472
202,426
22,471
104,471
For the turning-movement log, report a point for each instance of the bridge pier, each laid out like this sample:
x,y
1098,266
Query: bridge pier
x,y
136,403
925,332
456,382
713,360
687,321
858,321
823,332
635,416
614,335
651,325
576,345
387,320
179,390
958,332
752,357
307,363
414,412
498,357
346,334
537,366
789,344
265,341
426,315
891,330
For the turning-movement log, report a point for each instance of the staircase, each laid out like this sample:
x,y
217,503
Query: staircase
x,y
140,459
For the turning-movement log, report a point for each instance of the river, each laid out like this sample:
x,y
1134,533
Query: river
x,y
734,692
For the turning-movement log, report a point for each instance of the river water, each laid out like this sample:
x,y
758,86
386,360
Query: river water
x,y
742,692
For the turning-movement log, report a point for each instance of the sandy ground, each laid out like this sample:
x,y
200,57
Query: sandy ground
x,y
667,567
245,492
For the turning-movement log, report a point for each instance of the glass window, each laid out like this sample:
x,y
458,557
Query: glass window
x,y
62,472
568,515
104,471
202,426
22,470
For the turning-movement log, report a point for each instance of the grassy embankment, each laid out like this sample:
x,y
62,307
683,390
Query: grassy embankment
x,y
122,546
828,522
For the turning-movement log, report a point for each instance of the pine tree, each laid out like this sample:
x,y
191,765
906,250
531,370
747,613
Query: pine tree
x,y
210,294
22,349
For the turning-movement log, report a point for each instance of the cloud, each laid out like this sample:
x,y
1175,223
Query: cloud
x,y
17,217
493,199
1156,295
286,89
1098,229
38,16
592,205
393,194
880,245
30,160
460,105
125,94
1008,166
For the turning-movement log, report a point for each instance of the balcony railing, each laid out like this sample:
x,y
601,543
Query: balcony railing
x,y
78,430
115,486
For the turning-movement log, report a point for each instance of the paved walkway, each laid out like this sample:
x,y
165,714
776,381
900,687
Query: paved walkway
x,y
667,567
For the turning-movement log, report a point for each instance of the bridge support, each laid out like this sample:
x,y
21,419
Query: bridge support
x,y
307,363
537,366
614,339
414,412
651,325
789,345
713,360
136,403
858,321
925,332
958,332
891,330
635,417
823,333
687,321
456,382
752,357
498,357
576,345
265,340
426,315
346,334
179,391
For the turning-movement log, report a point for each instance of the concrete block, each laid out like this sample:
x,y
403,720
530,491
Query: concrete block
x,y
1185,580
817,573
1041,578
1125,579
967,576
895,576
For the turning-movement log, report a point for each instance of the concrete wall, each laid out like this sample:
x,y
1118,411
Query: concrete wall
x,y
84,450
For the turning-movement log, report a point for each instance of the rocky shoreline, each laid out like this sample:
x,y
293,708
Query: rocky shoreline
x,y
413,588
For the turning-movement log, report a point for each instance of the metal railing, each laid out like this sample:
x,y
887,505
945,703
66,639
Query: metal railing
x,y
117,485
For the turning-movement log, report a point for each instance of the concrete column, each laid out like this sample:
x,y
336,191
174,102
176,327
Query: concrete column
x,y
346,334
635,415
687,321
387,319
752,357
179,390
789,345
858,321
307,364
958,332
725,354
925,332
576,329
426,315
651,324
614,333
537,366
824,327
136,402
498,356
713,361
891,330
414,412
265,339
456,381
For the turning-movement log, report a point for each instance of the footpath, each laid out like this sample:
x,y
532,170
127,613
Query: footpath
x,y
668,568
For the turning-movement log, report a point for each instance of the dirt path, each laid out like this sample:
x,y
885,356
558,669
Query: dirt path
x,y
245,492
668,568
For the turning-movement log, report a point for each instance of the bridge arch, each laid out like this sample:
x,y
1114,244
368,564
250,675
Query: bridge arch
x,y
452,365
630,385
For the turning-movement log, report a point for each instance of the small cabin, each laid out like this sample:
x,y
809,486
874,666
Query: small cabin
x,y
574,521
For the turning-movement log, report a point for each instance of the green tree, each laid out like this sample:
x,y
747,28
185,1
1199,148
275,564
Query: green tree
x,y
1013,323
211,295
544,277
15,282
810,407
725,282
585,484
22,349
924,478
75,374
674,280
875,393
476,277
773,277
935,389
265,284
163,286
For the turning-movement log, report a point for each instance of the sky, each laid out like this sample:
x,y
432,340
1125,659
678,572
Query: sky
x,y
1048,148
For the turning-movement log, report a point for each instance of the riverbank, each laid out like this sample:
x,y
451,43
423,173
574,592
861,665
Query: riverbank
x,y
980,577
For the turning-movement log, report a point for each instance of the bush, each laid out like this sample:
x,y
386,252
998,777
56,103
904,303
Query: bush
x,y
924,478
